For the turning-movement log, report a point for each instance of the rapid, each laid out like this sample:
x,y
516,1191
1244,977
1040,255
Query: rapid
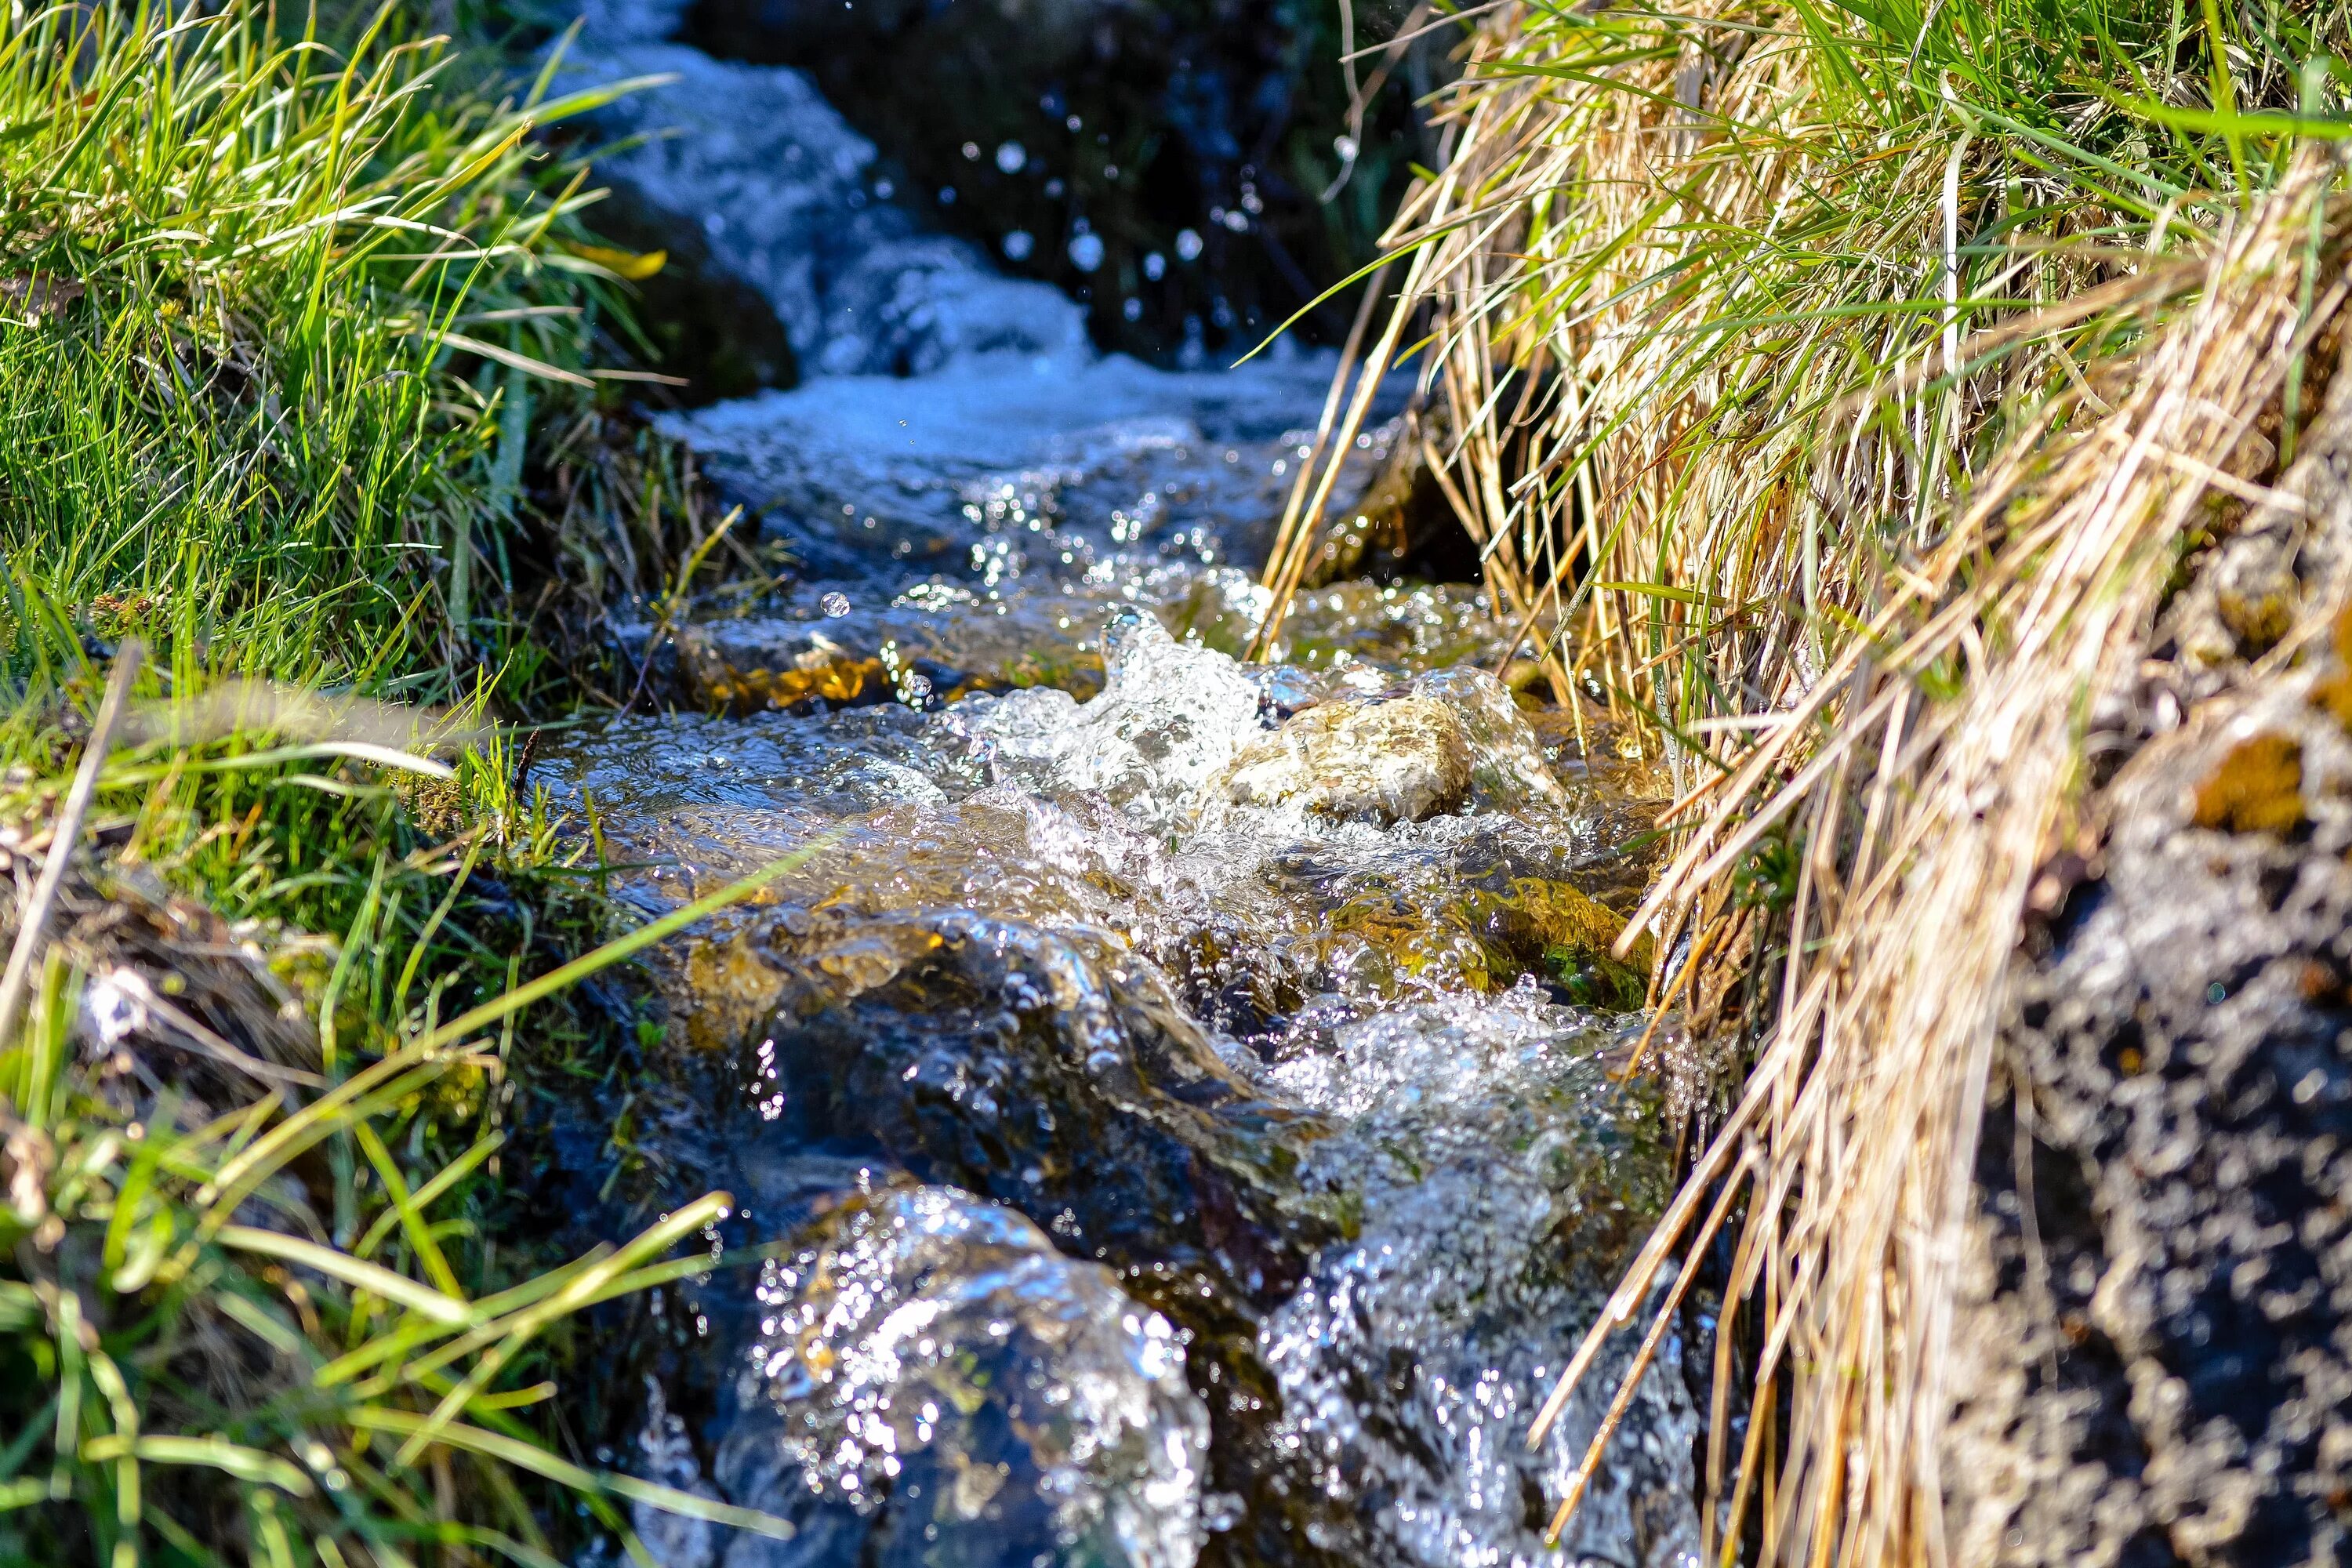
x,y
1190,1106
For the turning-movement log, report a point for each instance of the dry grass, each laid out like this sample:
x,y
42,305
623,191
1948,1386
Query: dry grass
x,y
1836,389
1925,821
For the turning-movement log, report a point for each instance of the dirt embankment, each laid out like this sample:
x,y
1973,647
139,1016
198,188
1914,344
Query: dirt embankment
x,y
2159,1329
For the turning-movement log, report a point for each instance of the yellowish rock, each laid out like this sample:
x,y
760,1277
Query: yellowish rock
x,y
1365,761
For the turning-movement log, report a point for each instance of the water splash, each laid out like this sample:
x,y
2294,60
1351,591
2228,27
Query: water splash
x,y
1170,719
1495,1159
932,1363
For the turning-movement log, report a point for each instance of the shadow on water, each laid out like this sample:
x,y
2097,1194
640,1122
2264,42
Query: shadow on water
x,y
1164,162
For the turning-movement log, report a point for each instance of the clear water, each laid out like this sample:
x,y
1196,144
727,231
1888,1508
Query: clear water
x,y
1160,1179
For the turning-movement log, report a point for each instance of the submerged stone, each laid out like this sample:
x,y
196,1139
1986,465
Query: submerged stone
x,y
928,1362
1046,1069
1379,761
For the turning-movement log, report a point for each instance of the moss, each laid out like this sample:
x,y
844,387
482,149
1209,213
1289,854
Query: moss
x,y
1565,935
2257,787
2258,621
843,679
2334,690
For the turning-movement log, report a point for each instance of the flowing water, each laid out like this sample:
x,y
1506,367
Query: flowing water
x,y
1188,1097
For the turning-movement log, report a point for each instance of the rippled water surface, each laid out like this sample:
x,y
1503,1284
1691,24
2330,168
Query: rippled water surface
x,y
1187,1098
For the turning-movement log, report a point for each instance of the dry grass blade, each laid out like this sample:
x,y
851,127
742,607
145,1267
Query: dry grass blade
x,y
32,926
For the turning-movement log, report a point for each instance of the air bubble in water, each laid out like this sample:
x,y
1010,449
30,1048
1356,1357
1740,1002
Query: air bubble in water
x,y
1018,245
1188,245
1011,157
1085,251
836,606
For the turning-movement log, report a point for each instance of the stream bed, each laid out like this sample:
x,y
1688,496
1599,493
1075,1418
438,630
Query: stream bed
x,y
1187,1101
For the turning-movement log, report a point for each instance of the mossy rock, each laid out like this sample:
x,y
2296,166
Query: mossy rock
x,y
1490,936
1565,935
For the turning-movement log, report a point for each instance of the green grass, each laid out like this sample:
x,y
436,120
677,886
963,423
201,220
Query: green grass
x,y
299,324
281,322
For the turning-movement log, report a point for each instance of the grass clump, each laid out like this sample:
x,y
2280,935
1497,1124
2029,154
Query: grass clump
x,y
294,332
1835,388
278,321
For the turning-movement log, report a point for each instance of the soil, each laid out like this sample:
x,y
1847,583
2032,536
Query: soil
x,y
2157,1343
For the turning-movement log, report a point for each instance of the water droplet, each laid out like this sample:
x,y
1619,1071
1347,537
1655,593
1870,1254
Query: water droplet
x,y
1346,147
1085,251
836,606
1155,267
971,150
1188,245
1018,245
1011,157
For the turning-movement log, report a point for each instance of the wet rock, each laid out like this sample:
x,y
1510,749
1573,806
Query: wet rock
x,y
1508,771
1352,1222
1300,1251
1049,1072
996,462
1556,930
1367,762
930,1363
1163,160
789,201
1043,1069
1454,740
953,416
704,321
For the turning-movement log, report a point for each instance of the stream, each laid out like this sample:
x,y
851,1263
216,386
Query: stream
x,y
1191,1098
